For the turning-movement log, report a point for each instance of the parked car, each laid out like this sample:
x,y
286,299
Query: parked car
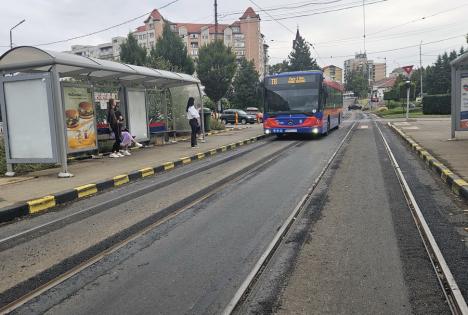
x,y
255,112
229,116
354,106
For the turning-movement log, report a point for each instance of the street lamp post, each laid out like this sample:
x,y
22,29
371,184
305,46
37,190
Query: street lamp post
x,y
11,29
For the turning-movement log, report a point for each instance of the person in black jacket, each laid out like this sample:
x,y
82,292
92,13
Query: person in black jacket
x,y
116,128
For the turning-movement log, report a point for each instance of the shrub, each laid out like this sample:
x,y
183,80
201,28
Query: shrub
x,y
216,124
382,109
437,104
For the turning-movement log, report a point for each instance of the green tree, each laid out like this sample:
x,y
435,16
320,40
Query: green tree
x,y
245,85
279,67
358,83
131,52
157,62
171,48
216,68
299,58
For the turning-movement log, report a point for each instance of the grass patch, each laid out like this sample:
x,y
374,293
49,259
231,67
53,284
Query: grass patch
x,y
20,168
399,112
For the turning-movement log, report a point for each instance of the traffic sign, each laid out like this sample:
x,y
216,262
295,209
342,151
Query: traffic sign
x,y
408,69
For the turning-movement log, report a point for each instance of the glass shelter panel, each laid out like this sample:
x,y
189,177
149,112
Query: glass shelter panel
x,y
28,120
180,96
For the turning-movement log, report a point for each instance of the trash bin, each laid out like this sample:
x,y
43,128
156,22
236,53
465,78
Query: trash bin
x,y
207,118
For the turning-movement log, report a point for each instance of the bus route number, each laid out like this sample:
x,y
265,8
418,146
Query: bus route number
x,y
274,81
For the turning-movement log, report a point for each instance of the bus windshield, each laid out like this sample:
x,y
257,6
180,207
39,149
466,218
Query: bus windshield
x,y
292,93
291,99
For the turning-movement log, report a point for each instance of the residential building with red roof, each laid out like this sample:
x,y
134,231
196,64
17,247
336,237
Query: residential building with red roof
x,y
243,36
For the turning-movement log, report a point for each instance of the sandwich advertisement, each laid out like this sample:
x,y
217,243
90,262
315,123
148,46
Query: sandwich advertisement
x,y
79,118
464,103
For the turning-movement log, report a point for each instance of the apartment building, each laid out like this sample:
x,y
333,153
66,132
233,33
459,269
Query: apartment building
x,y
106,51
373,71
243,36
333,72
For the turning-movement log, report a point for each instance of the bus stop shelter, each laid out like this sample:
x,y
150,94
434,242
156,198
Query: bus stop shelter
x,y
48,106
459,94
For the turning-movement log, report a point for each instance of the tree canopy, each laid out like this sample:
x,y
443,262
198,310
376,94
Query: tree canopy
x,y
245,86
131,52
300,58
216,68
357,82
171,48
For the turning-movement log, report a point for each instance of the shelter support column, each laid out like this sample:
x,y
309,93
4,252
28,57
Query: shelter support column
x,y
453,104
60,125
202,118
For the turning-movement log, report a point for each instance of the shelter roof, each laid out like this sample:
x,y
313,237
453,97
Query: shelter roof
x,y
28,59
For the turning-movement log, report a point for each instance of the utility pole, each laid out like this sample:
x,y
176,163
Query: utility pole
x,y
11,35
364,20
421,69
216,18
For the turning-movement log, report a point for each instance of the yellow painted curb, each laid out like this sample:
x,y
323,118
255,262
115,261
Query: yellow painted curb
x,y
213,152
200,156
460,182
149,171
223,148
185,160
41,204
86,190
120,180
168,166
232,145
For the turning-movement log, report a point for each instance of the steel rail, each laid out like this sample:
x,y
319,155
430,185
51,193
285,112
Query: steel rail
x,y
207,192
268,253
446,279
44,228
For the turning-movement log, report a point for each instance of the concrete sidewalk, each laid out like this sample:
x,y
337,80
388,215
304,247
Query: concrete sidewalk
x,y
430,137
46,182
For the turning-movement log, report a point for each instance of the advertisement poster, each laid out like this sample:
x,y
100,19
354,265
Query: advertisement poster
x,y
464,103
79,118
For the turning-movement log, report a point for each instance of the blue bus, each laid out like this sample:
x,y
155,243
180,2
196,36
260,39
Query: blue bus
x,y
301,102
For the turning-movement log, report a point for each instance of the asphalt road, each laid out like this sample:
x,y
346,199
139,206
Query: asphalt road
x,y
353,250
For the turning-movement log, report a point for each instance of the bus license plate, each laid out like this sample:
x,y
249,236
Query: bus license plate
x,y
290,130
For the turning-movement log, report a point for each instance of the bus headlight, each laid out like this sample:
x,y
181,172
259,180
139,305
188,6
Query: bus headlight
x,y
315,131
267,131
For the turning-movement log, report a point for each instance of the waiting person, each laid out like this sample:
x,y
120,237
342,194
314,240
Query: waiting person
x,y
127,141
115,126
193,116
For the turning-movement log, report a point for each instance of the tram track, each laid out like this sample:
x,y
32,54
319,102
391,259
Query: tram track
x,y
22,293
17,238
444,275
448,285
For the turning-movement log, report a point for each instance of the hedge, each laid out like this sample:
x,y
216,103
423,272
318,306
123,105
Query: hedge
x,y
437,104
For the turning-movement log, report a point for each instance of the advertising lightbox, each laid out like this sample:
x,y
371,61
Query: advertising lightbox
x,y
80,118
137,114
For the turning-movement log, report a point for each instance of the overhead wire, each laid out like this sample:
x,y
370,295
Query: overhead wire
x,y
105,29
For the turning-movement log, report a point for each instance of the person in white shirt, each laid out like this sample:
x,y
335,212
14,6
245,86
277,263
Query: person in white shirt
x,y
193,116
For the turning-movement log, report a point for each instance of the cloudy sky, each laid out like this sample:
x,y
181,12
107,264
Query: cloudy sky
x,y
335,27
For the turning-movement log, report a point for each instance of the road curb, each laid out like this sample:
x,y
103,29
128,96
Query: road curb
x,y
51,201
457,184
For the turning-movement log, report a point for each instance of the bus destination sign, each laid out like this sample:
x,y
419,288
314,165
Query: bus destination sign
x,y
287,80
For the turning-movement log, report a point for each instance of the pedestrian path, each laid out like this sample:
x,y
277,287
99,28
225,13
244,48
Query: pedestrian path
x,y
45,182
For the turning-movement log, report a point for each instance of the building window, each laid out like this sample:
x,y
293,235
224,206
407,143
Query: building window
x,y
151,35
236,30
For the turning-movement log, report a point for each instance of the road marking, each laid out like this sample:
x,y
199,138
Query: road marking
x,y
363,127
410,128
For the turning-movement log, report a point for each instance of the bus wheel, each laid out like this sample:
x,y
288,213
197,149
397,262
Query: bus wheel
x,y
328,126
